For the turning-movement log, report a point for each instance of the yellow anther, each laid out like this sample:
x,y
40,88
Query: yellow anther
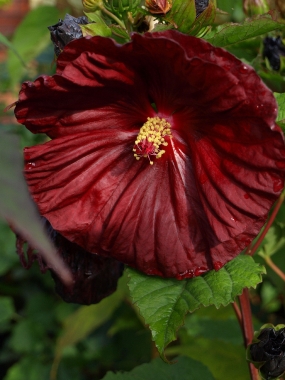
x,y
151,135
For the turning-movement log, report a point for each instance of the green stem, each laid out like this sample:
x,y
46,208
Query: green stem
x,y
111,15
127,22
274,267
252,249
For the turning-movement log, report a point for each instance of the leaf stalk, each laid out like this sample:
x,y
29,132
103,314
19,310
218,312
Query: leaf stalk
x,y
274,267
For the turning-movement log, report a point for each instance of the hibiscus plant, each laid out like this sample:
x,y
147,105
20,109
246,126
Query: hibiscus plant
x,y
151,188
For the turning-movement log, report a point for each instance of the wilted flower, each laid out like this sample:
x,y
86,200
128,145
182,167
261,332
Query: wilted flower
x,y
201,5
66,31
164,152
273,50
92,5
267,352
93,277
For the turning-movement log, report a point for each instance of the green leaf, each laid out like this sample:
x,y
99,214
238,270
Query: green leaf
x,y
183,369
247,50
17,207
270,300
280,98
118,31
86,319
27,337
96,30
182,15
7,309
164,302
274,240
29,368
224,330
30,39
161,27
199,27
7,243
230,33
7,43
98,27
102,27
95,17
273,79
225,360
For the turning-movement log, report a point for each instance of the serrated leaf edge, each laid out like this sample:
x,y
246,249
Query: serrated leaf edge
x,y
162,352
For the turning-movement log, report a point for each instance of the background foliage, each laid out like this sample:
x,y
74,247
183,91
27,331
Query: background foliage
x,y
43,337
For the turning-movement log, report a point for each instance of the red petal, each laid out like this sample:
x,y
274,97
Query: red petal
x,y
200,204
93,92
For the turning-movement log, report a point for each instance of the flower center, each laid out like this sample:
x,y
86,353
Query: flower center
x,y
150,138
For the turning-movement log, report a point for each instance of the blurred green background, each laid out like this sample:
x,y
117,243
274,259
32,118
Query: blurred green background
x,y
36,326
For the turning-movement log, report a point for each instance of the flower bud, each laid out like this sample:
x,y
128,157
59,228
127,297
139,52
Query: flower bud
x,y
158,6
66,31
121,6
92,5
255,7
267,351
279,5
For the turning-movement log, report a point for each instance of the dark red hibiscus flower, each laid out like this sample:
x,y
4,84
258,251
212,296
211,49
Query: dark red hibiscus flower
x,y
164,152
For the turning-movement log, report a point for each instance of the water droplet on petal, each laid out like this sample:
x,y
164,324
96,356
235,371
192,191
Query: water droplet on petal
x,y
246,196
187,274
30,165
200,270
273,127
259,107
190,274
218,265
243,69
153,272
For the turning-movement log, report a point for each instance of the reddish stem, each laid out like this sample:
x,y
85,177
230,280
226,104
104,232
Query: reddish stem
x,y
252,249
246,317
238,313
247,328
